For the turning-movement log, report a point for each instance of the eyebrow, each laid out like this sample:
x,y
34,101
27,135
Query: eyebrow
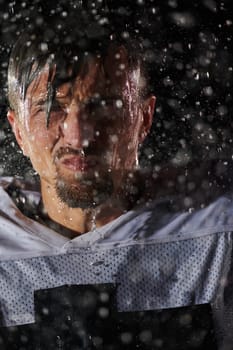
x,y
91,99
102,98
39,101
60,95
44,99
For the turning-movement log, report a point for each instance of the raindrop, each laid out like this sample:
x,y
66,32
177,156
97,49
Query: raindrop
x,y
85,143
208,91
44,47
184,19
104,297
145,336
103,312
126,338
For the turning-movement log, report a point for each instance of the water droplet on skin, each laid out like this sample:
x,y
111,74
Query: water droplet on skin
x,y
85,143
119,104
78,176
114,138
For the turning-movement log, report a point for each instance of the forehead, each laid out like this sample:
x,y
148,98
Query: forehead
x,y
111,75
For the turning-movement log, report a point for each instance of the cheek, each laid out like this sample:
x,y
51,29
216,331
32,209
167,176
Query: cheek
x,y
40,155
122,150
39,143
38,149
42,138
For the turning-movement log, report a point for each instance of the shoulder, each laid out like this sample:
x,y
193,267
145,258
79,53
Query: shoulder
x,y
195,199
18,183
20,236
182,203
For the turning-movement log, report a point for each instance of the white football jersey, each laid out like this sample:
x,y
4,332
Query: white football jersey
x,y
158,256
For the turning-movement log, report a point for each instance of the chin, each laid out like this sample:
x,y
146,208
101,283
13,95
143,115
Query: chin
x,y
83,195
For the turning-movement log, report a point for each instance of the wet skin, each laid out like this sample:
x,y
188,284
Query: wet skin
x,y
90,146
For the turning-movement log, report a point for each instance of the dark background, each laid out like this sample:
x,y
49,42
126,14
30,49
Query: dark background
x,y
189,47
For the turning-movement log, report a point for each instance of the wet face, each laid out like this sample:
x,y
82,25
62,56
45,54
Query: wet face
x,y
97,121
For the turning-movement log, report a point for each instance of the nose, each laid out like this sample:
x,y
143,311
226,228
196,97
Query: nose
x,y
77,130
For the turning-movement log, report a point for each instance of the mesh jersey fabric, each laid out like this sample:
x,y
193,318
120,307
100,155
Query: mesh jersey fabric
x,y
148,277
157,256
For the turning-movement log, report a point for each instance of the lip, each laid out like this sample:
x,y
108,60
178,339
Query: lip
x,y
78,163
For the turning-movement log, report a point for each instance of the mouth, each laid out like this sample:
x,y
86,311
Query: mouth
x,y
78,163
76,160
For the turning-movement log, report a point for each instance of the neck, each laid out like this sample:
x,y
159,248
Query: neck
x,y
84,220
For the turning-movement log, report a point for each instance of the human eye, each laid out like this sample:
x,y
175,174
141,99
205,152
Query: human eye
x,y
57,113
43,106
93,103
38,106
103,107
114,104
58,106
58,109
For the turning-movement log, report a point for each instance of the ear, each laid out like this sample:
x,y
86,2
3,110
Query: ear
x,y
148,112
13,120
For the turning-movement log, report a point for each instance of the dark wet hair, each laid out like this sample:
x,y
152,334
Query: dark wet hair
x,y
65,44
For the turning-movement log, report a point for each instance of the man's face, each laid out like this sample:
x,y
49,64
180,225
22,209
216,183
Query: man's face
x,y
97,121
